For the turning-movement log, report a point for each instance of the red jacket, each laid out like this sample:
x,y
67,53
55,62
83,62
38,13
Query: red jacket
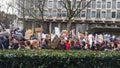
x,y
67,46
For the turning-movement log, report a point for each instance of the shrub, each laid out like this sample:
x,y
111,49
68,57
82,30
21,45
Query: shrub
x,y
58,59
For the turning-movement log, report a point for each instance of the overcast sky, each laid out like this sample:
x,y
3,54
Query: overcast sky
x,y
4,6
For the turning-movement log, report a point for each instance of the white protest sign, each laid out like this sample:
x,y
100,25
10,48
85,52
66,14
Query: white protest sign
x,y
43,35
57,31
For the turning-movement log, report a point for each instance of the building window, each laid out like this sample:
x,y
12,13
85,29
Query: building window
x,y
103,4
108,4
118,5
113,4
83,14
113,14
50,3
93,4
98,14
118,14
63,26
31,11
83,3
79,15
40,2
64,14
59,3
37,13
49,13
98,4
59,13
103,15
54,13
27,4
32,3
73,4
69,3
45,4
108,14
45,13
93,14
88,4
78,4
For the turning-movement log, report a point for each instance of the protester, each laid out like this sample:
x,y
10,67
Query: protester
x,y
67,45
27,44
1,43
6,42
15,44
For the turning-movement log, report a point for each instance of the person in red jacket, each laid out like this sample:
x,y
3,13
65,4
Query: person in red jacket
x,y
67,45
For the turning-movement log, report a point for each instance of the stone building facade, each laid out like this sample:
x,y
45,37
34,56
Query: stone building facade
x,y
99,13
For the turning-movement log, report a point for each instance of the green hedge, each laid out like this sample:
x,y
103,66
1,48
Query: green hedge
x,y
58,59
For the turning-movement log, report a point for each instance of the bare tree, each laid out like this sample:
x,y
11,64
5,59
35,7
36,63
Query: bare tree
x,y
33,9
73,8
37,11
20,7
6,16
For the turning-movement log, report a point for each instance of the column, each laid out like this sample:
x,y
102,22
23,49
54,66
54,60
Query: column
x,y
76,29
59,24
50,25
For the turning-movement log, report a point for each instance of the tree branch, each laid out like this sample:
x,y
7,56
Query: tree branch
x,y
79,10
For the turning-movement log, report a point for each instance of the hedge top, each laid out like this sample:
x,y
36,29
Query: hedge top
x,y
58,53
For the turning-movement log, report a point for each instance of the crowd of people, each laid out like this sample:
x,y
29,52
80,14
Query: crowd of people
x,y
15,40
90,42
83,42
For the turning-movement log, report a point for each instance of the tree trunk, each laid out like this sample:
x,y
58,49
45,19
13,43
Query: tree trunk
x,y
24,26
69,26
34,26
42,25
24,20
